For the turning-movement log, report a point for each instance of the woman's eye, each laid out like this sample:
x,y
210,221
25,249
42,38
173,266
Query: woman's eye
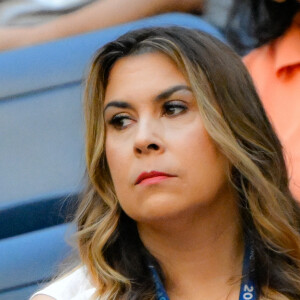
x,y
120,121
174,108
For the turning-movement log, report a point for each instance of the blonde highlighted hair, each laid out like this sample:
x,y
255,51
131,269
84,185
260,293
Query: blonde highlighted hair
x,y
234,118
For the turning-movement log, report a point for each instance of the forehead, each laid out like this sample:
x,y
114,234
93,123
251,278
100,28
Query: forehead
x,y
143,74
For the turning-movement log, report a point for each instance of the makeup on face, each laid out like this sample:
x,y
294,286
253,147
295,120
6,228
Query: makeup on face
x,y
161,159
171,102
152,177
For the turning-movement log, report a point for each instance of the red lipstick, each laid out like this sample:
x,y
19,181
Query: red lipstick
x,y
152,177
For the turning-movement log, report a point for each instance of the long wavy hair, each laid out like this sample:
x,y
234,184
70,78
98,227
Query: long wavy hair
x,y
233,116
253,23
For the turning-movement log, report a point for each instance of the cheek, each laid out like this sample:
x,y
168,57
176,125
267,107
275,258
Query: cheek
x,y
193,144
119,164
118,161
205,165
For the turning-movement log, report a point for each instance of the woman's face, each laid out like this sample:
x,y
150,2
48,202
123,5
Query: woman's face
x,y
162,162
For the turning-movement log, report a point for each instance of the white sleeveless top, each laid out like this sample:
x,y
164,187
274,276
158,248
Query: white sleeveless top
x,y
74,286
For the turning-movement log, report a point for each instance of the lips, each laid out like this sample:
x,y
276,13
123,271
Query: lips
x,y
152,174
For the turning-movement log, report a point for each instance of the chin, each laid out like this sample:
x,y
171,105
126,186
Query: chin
x,y
155,209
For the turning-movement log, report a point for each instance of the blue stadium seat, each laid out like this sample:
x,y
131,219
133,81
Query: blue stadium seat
x,y
30,259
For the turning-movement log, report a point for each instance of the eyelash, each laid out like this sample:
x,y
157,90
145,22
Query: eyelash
x,y
170,106
116,121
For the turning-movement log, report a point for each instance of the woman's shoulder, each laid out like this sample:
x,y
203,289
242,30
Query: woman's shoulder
x,y
76,285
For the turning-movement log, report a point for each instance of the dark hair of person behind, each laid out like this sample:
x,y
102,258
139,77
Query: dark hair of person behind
x,y
233,116
253,23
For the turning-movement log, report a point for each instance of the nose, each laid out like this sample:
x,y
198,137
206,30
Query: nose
x,y
149,139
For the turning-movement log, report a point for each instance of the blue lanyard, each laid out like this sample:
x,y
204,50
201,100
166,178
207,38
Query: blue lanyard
x,y
247,290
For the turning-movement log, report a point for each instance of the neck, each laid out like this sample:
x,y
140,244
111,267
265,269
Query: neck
x,y
199,252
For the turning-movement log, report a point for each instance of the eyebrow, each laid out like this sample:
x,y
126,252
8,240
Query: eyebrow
x,y
118,104
162,96
167,93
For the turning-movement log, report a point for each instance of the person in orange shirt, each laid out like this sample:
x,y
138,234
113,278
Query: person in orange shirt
x,y
274,27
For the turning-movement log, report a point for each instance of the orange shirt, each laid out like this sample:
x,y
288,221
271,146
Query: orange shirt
x,y
275,69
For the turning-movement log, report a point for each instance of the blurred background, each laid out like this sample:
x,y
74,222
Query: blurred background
x,y
45,50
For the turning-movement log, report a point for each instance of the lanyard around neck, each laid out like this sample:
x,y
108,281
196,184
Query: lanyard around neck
x,y
247,290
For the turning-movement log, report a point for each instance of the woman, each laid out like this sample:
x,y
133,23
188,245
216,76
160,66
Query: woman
x,y
274,27
188,194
